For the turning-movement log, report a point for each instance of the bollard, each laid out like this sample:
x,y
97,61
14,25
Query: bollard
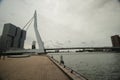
x,y
71,71
61,60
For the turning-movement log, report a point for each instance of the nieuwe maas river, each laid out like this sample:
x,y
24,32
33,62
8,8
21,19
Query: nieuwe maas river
x,y
93,65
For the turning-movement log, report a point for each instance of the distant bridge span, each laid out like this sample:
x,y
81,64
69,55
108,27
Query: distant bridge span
x,y
82,48
47,49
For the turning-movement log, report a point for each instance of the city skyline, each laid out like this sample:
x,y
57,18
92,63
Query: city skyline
x,y
65,23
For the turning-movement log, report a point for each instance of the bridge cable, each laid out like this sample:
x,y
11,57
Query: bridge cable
x,y
28,26
29,22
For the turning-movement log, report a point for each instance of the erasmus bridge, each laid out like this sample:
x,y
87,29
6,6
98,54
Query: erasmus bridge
x,y
42,49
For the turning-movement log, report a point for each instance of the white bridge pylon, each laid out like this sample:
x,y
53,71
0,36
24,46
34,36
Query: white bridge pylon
x,y
39,40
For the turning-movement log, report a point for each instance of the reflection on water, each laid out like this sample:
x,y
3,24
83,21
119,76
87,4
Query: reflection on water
x,y
94,65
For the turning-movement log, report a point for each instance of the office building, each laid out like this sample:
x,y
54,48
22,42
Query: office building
x,y
12,37
115,41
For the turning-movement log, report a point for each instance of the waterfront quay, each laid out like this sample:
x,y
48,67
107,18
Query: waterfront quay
x,y
31,68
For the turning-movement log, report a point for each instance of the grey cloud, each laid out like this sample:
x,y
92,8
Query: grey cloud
x,y
59,43
26,2
1,1
83,42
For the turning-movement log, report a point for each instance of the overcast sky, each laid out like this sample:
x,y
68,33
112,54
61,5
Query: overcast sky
x,y
65,23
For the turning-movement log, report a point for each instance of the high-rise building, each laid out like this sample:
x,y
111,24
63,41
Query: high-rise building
x,y
34,45
22,38
115,40
12,37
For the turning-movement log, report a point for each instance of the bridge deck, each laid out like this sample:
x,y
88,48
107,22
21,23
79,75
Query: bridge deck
x,y
30,68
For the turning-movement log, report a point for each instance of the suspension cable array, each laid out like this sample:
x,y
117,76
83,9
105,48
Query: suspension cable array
x,y
27,25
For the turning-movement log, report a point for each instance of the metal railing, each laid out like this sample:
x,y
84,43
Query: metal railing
x,y
69,69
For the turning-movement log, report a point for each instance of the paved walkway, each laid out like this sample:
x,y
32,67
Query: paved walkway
x,y
30,68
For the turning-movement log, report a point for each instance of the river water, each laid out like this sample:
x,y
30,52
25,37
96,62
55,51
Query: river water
x,y
93,65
